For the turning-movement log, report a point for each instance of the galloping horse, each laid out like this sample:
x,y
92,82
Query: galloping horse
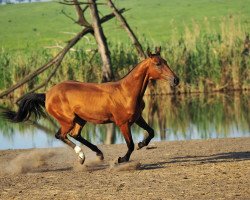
x,y
74,103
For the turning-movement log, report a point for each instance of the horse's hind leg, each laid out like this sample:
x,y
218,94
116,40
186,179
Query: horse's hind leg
x,y
62,135
141,122
66,120
76,133
90,145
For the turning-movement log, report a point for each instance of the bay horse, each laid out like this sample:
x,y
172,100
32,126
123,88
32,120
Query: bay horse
x,y
74,103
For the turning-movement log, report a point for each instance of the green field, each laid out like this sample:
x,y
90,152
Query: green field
x,y
37,25
201,39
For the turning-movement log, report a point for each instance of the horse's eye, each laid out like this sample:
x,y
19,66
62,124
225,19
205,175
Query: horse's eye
x,y
158,64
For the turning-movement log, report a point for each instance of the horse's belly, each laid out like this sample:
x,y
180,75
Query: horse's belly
x,y
96,120
94,116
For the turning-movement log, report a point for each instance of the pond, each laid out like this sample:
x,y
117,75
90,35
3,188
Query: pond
x,y
173,118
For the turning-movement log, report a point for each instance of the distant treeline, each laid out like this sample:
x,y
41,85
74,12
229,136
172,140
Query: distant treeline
x,y
20,1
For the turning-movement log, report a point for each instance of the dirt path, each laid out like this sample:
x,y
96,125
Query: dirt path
x,y
198,169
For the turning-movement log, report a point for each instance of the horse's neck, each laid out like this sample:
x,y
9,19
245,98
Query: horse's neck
x,y
135,83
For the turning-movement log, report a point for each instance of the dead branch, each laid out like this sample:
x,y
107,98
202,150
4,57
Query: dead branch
x,y
65,14
58,58
57,46
107,74
127,28
80,12
70,3
42,84
30,76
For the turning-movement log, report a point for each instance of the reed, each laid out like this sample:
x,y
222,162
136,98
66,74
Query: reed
x,y
205,60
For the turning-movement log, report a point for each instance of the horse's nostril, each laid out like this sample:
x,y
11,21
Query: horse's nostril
x,y
176,81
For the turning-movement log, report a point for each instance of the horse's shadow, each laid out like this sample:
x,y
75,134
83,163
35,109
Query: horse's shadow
x,y
197,160
62,169
88,166
191,160
214,158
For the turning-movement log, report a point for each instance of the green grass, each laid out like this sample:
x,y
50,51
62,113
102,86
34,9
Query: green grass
x,y
35,25
26,27
202,41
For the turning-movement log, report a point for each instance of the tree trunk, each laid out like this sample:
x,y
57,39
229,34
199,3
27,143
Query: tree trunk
x,y
107,74
127,28
110,134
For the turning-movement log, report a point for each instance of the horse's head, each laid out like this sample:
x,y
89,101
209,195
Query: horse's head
x,y
159,69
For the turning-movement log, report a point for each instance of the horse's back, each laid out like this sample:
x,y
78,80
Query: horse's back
x,y
74,86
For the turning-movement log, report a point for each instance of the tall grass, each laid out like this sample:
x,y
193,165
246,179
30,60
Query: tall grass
x,y
209,60
204,59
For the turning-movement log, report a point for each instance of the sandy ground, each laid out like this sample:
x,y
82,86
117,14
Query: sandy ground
x,y
198,169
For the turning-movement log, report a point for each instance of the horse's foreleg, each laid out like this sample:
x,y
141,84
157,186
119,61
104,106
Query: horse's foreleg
x,y
125,129
141,122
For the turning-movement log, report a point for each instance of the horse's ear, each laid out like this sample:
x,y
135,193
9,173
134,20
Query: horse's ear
x,y
149,52
158,50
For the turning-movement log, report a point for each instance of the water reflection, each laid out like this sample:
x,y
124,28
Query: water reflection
x,y
173,118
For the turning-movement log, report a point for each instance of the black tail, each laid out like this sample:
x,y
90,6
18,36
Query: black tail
x,y
30,103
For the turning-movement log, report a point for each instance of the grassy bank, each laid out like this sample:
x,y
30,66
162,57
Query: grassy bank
x,y
202,41
209,61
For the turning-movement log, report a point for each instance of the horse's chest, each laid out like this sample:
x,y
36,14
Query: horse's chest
x,y
128,114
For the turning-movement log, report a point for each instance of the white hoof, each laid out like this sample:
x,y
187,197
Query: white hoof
x,y
81,158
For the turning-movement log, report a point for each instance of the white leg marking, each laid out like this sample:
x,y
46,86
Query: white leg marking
x,y
80,153
77,149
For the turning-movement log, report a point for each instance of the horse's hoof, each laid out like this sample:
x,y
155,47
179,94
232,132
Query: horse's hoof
x,y
140,145
119,160
81,158
122,160
100,156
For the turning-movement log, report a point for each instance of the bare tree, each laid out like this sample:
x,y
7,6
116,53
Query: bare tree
x,y
127,28
94,28
107,74
56,61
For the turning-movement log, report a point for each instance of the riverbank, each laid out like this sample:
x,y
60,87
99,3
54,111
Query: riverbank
x,y
195,169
